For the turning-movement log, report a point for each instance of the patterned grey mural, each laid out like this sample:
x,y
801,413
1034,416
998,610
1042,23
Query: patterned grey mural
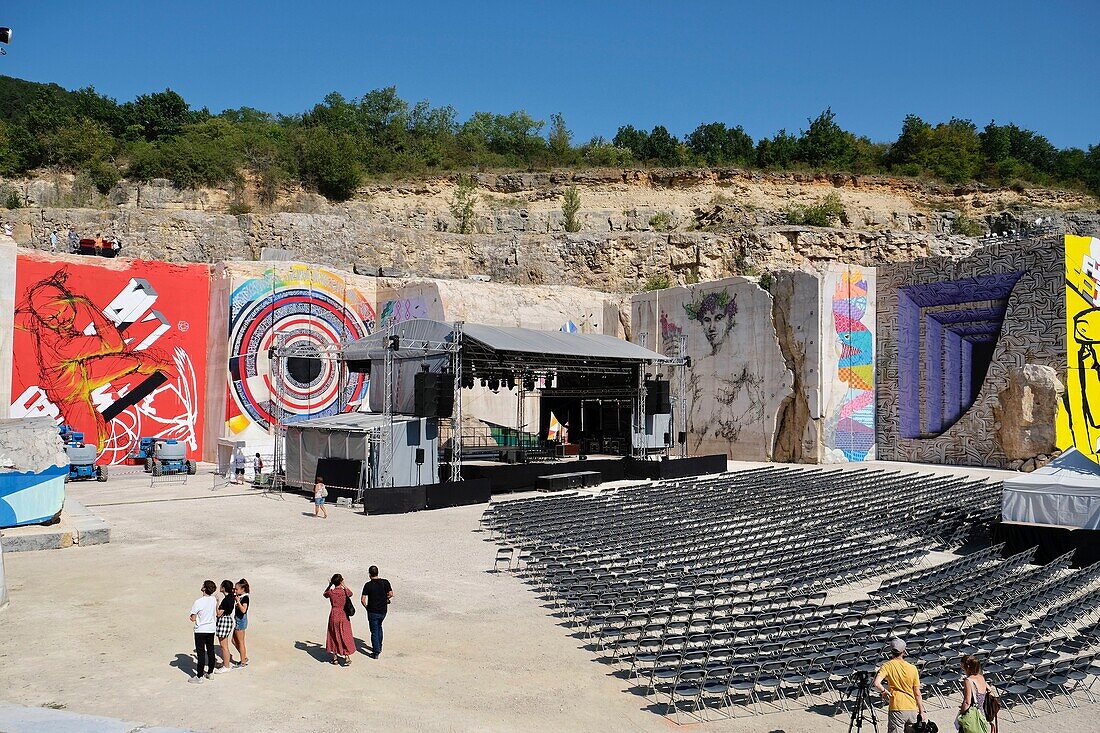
x,y
940,320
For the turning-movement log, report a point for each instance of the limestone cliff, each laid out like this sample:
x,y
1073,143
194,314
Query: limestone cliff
x,y
687,225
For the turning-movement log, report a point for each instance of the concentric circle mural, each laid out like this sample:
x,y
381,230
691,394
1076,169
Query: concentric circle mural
x,y
310,310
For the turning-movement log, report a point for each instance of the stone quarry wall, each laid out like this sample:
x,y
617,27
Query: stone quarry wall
x,y
935,316
8,252
777,373
33,466
614,261
115,348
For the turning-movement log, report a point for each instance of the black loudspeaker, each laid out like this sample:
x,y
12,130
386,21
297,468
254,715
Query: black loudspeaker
x,y
420,456
681,437
433,394
657,398
668,439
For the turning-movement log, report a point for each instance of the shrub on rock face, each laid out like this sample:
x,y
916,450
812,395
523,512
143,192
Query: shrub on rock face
x,y
821,214
570,205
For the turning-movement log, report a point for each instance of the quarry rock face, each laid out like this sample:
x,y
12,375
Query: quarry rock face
x,y
30,444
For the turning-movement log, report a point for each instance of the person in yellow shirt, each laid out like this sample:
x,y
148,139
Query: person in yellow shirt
x,y
903,694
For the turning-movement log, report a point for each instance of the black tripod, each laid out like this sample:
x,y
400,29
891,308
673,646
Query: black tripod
x,y
861,704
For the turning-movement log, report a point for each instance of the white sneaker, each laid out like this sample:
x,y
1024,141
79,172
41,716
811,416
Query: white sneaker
x,y
223,670
196,680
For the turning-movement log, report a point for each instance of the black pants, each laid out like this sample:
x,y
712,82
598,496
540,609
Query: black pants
x,y
204,650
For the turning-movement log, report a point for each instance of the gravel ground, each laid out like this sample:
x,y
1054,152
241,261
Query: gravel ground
x,y
104,630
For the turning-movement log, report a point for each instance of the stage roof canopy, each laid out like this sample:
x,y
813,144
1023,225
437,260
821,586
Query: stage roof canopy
x,y
503,345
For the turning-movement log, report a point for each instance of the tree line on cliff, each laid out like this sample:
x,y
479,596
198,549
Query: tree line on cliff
x,y
335,145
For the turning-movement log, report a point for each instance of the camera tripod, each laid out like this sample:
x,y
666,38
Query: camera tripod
x,y
861,704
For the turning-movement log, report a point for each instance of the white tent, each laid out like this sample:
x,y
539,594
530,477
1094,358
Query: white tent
x,y
1065,493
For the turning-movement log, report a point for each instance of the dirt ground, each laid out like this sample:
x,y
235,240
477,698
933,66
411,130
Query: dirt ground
x,y
104,630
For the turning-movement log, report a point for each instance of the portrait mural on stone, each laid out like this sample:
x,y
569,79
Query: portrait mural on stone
x,y
310,309
737,379
116,353
850,427
1079,420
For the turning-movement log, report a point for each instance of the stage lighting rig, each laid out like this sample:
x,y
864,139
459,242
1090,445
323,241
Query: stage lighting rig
x,y
5,38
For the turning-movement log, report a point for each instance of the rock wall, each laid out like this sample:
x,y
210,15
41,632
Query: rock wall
x,y
8,251
935,319
738,380
616,261
33,467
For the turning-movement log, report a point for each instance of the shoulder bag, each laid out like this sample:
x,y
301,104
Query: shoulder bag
x,y
349,611
972,720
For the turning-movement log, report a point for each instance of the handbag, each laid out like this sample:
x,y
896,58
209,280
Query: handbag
x,y
973,719
349,611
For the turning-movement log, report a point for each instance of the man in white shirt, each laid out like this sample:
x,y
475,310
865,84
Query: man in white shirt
x,y
204,613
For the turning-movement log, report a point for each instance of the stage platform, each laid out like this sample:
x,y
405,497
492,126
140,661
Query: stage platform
x,y
507,477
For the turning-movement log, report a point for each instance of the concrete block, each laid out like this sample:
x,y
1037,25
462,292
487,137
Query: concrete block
x,y
24,719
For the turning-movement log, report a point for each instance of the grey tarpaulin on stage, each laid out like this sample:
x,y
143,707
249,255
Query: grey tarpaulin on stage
x,y
1065,492
348,436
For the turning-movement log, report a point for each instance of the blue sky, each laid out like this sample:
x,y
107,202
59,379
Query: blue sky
x,y
763,65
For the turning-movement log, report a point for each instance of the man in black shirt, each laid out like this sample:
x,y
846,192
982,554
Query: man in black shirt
x,y
376,599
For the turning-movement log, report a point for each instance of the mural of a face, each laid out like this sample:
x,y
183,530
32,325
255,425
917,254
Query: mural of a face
x,y
716,312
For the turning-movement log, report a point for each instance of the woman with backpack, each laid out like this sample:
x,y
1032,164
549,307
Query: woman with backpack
x,y
978,711
339,640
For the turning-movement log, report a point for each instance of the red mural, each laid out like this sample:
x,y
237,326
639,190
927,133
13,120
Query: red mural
x,y
118,353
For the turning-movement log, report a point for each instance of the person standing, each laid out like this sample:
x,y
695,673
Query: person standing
x,y
74,240
339,640
240,613
319,494
257,468
53,240
8,230
203,615
377,594
239,462
225,624
975,694
906,703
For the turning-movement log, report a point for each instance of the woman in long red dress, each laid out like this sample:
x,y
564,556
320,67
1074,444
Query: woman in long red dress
x,y
339,642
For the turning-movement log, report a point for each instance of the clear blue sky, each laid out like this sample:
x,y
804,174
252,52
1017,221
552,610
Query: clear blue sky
x,y
764,65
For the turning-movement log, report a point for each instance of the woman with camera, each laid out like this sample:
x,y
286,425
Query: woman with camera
x,y
339,640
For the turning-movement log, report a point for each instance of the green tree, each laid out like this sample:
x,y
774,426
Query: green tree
x,y
824,144
78,142
157,116
663,147
780,151
634,140
717,144
570,205
463,200
328,162
560,139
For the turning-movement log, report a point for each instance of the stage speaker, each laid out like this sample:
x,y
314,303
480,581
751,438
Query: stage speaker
x,y
420,456
657,398
668,439
433,394
681,437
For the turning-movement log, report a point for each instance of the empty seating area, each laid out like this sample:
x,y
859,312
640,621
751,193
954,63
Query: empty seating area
x,y
761,590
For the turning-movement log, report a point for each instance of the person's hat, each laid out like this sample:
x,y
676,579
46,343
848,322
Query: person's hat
x,y
897,644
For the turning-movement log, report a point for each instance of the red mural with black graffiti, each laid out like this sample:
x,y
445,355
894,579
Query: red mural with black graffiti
x,y
117,351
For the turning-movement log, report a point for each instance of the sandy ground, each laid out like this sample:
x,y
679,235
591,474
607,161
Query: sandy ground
x,y
104,630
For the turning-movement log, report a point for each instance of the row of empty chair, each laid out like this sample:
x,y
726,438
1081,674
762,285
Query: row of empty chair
x,y
712,595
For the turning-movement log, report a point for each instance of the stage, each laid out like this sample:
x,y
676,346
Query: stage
x,y
506,477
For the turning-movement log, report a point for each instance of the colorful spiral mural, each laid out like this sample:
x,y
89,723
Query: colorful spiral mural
x,y
311,309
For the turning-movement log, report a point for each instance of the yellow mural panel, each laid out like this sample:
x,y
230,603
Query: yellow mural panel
x,y
1079,418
